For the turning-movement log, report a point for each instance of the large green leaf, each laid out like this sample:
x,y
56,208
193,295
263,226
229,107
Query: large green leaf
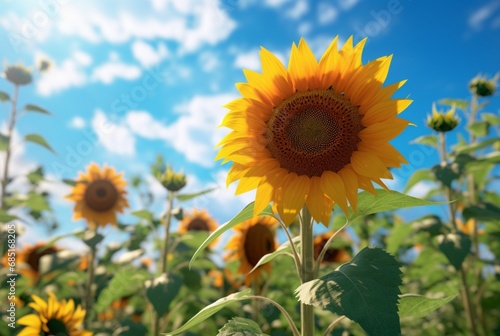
x,y
34,108
398,237
4,143
364,290
162,291
414,305
429,140
57,261
491,118
187,197
125,282
482,211
284,248
385,201
469,148
243,215
144,214
239,326
211,309
456,247
37,202
479,128
39,140
418,176
459,103
4,96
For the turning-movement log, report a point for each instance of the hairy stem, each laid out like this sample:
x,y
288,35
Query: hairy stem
x,y
89,293
307,270
10,133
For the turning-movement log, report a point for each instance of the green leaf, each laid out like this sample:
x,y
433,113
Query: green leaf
x,y
459,103
399,235
124,283
91,238
4,142
386,201
211,309
482,211
187,197
469,148
284,248
455,247
56,261
37,202
479,129
413,305
364,290
4,96
34,108
243,215
39,140
491,118
162,290
69,182
36,176
143,214
239,326
428,140
446,173
418,176
5,217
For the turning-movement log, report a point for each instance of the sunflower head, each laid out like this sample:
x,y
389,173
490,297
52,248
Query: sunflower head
x,y
482,86
441,121
18,75
98,195
53,317
29,259
254,239
333,254
313,133
171,180
198,221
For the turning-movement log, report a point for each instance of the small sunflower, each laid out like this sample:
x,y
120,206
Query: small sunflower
x,y
332,255
254,238
53,318
99,195
197,221
313,133
28,259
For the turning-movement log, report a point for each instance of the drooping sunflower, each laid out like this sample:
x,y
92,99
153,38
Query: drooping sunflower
x,y
254,238
333,254
197,221
98,195
53,318
28,259
313,133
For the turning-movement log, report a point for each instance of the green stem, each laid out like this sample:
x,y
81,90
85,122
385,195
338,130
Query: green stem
x,y
89,293
332,325
325,249
295,331
164,251
10,133
307,270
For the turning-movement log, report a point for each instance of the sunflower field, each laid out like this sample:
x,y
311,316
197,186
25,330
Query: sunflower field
x,y
349,226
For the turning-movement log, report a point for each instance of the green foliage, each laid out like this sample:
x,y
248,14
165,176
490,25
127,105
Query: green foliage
x,y
39,140
455,246
4,96
188,197
414,305
241,326
365,290
428,140
162,290
35,108
459,103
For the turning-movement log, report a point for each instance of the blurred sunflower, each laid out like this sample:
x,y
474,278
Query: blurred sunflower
x,y
197,221
314,133
254,238
99,195
332,255
28,259
53,318
468,227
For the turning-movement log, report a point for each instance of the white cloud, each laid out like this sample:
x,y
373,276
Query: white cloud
x,y
248,60
298,10
143,124
208,61
56,188
348,4
275,3
421,189
77,122
483,13
304,28
327,13
114,137
114,69
70,73
147,55
82,58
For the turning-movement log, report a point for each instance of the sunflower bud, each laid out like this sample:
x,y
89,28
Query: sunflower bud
x,y
442,121
18,75
173,181
483,87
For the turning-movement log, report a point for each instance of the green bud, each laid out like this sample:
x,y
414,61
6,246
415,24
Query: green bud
x,y
442,121
18,75
173,181
483,87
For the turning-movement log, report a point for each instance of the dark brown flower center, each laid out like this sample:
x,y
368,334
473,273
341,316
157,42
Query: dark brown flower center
x,y
36,254
314,131
101,195
198,224
57,328
259,241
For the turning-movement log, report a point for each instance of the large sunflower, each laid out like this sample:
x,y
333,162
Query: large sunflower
x,y
99,195
28,259
254,238
313,133
53,318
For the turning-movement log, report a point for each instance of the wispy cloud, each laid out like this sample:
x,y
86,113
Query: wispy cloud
x,y
147,55
327,13
482,14
115,137
114,69
298,10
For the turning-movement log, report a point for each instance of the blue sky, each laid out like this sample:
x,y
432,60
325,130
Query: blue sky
x,y
135,79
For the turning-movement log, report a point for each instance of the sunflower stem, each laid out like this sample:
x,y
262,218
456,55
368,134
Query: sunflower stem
x,y
332,325
295,254
89,297
325,249
306,270
10,132
295,331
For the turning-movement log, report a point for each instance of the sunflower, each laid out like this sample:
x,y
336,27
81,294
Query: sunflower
x,y
197,221
99,195
53,318
28,259
332,255
254,238
314,133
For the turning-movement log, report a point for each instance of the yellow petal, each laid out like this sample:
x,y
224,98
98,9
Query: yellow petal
x,y
294,197
333,186
318,203
369,165
351,185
